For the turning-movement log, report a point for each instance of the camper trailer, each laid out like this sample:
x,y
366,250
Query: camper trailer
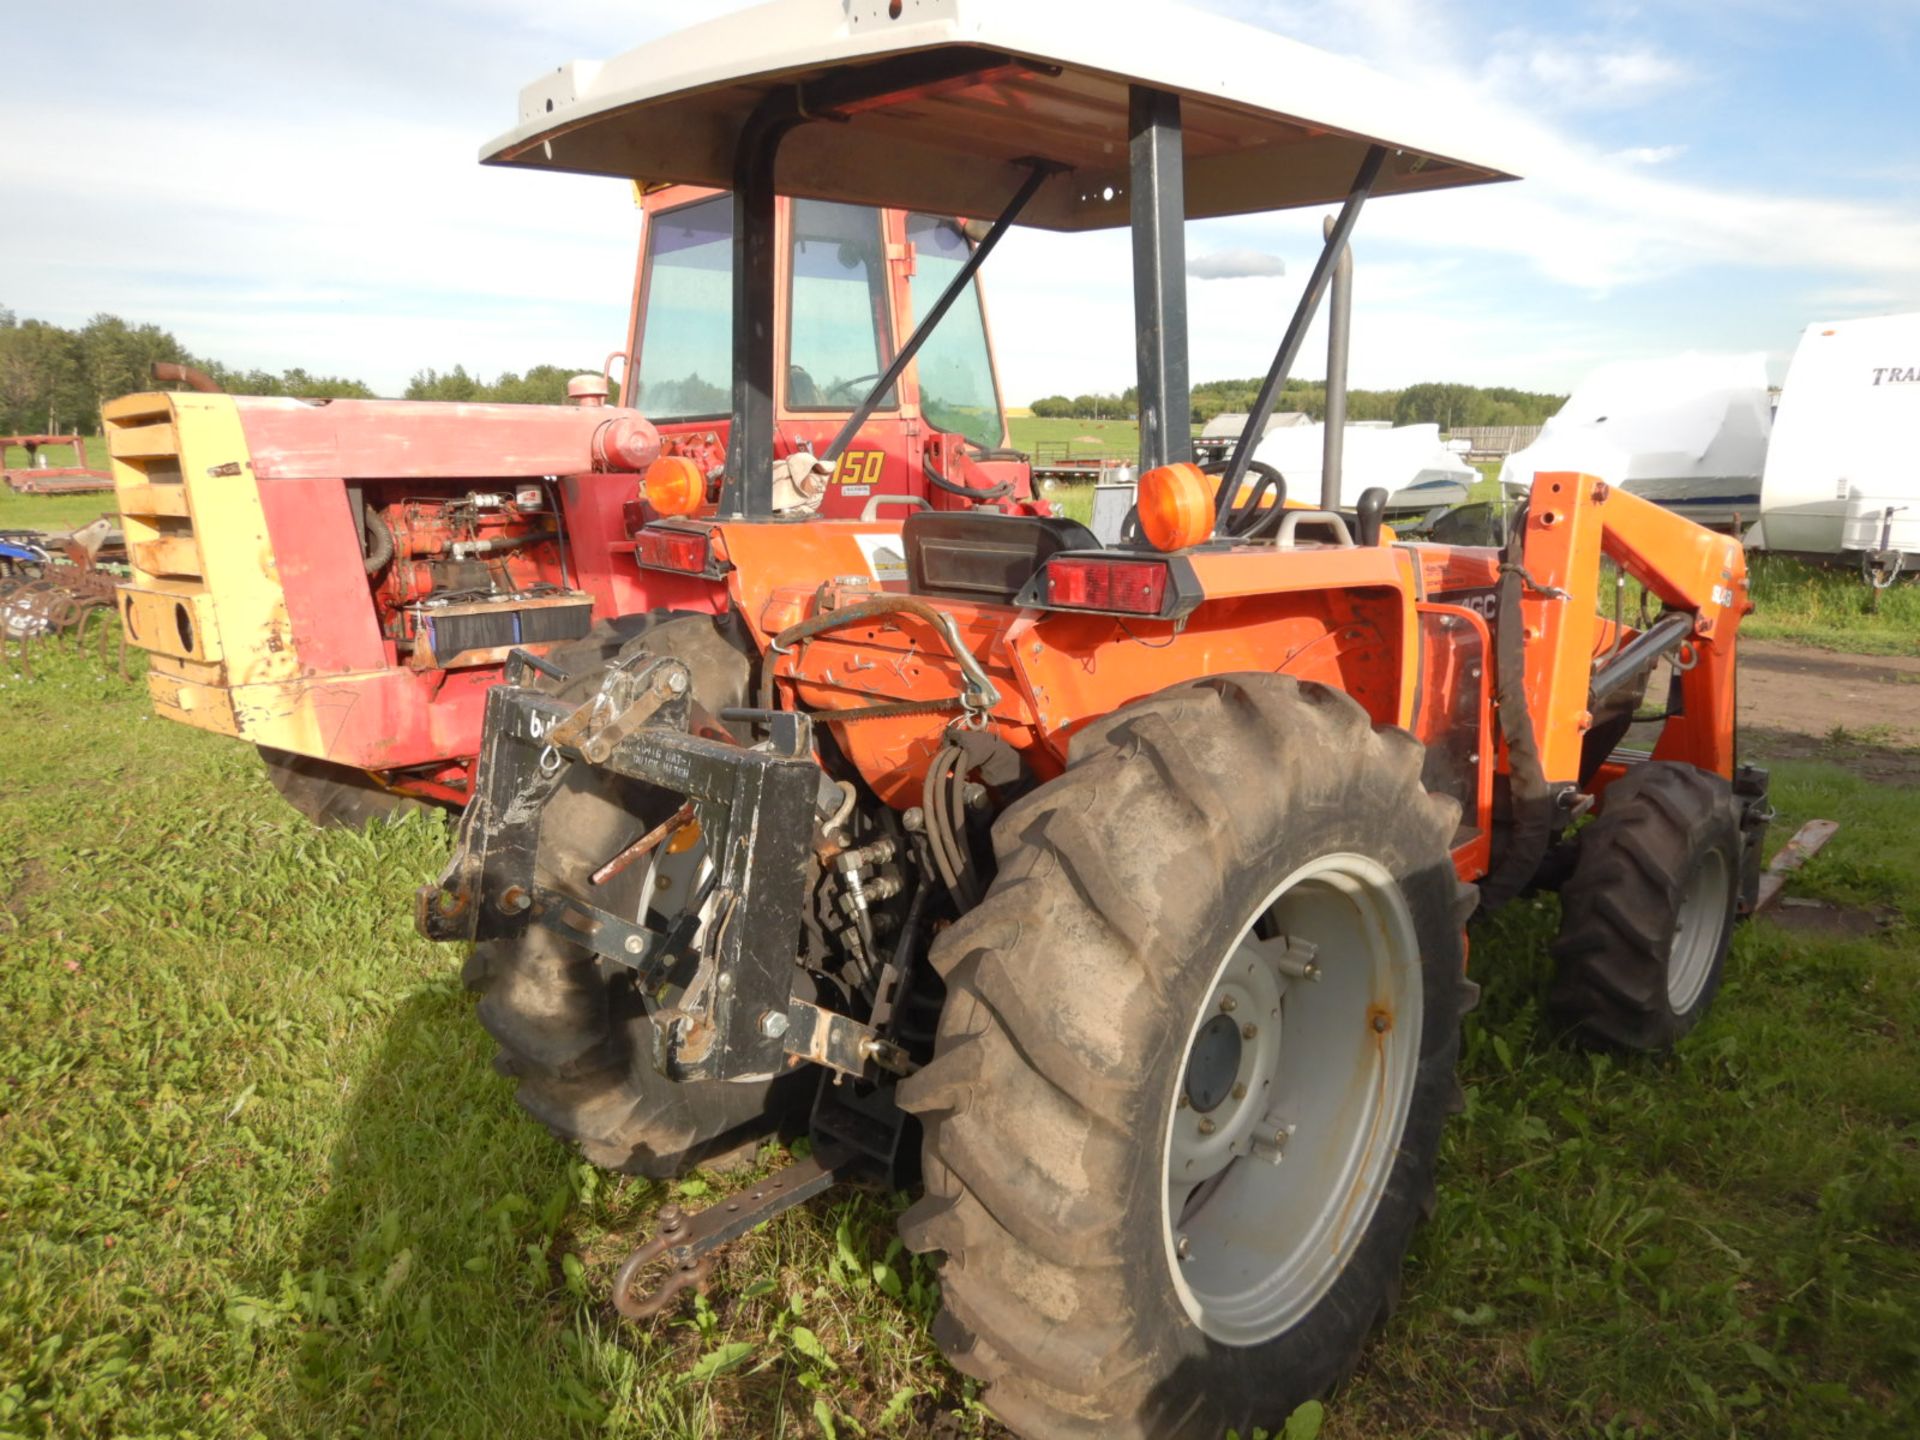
x,y
1842,478
1688,432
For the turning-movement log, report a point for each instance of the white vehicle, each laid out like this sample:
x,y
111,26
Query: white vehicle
x,y
1216,437
1410,462
1688,432
1843,475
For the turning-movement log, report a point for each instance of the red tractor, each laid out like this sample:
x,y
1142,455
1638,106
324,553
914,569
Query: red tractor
x,y
338,583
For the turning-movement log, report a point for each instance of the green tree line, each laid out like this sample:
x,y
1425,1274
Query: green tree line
x,y
1433,402
542,385
55,380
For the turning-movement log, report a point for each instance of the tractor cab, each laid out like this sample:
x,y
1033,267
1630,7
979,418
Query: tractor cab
x,y
1110,897
856,280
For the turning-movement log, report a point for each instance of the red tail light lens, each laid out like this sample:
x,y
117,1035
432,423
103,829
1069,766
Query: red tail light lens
x,y
688,551
1137,587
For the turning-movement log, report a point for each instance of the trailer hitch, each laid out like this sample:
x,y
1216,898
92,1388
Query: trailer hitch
x,y
686,1242
856,1134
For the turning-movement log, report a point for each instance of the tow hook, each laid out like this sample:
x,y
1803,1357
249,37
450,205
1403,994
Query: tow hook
x,y
686,1242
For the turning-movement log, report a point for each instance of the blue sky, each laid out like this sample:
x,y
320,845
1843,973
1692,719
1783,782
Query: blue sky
x,y
296,185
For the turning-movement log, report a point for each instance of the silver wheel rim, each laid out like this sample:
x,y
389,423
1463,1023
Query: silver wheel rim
x,y
1283,1133
1697,931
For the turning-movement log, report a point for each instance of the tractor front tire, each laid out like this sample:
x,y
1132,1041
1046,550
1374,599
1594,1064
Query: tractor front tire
x,y
333,796
1132,1046
1647,915
573,1028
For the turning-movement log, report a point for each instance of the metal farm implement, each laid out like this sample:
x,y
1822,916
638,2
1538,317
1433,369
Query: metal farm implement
x,y
59,584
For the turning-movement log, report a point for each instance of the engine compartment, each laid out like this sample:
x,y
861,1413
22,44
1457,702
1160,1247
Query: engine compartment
x,y
461,579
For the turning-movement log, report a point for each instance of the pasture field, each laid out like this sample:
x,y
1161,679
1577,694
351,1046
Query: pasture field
x,y
50,512
1115,437
14,457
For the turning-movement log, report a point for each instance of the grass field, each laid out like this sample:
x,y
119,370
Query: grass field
x,y
14,457
257,1177
1832,608
1114,437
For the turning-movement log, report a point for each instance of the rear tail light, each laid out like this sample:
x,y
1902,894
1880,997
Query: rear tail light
x,y
690,552
1132,587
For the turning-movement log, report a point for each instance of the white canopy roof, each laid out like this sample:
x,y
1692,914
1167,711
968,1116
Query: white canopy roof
x,y
974,87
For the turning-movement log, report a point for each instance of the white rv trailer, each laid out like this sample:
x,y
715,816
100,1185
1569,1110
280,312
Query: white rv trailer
x,y
1843,474
1688,432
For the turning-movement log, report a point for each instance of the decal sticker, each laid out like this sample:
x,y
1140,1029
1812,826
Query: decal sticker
x,y
859,467
1484,603
885,557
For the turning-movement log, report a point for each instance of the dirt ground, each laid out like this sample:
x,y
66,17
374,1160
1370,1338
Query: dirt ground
x,y
1798,703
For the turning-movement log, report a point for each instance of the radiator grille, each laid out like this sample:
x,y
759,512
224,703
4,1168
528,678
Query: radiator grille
x,y
458,630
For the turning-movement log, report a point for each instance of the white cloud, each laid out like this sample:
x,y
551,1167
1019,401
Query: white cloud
x,y
1648,154
1583,72
1583,217
306,193
1235,265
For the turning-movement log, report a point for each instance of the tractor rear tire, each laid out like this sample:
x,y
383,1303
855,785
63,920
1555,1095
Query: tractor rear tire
x,y
333,796
1647,915
572,1027
1098,1018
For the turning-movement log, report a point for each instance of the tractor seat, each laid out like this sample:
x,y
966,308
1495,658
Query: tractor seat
x,y
984,555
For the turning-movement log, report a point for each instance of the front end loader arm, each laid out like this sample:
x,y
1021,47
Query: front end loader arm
x,y
1572,520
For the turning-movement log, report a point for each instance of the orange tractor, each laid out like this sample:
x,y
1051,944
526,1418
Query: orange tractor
x,y
340,583
1111,898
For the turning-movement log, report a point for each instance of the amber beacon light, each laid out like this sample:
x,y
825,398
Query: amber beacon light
x,y
1176,506
675,485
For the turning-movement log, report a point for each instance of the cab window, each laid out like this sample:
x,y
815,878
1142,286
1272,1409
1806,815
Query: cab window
x,y
957,390
685,344
838,314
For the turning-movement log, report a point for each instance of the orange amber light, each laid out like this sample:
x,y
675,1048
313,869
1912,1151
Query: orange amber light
x,y
675,485
1176,506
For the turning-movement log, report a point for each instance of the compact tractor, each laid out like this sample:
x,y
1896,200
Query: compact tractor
x,y
1109,898
340,582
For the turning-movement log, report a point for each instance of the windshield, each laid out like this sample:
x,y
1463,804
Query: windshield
x,y
957,393
839,307
685,345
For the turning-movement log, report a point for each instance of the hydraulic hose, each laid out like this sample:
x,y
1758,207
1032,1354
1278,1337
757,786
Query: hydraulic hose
x,y
940,482
1530,824
376,542
979,692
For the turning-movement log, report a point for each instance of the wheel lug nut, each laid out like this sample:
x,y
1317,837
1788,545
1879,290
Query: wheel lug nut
x,y
1228,1004
1183,1102
1249,1030
1206,1126
1240,1092
1183,1247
